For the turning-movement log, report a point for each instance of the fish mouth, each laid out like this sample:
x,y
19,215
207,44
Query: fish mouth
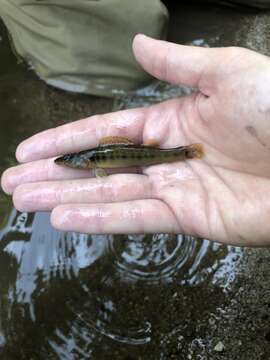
x,y
67,160
61,160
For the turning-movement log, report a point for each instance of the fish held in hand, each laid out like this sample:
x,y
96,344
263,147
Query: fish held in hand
x,y
118,152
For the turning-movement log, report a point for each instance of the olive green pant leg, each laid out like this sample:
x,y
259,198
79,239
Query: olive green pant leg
x,y
84,45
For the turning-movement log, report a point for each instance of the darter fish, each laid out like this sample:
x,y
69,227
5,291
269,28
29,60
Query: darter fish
x,y
120,152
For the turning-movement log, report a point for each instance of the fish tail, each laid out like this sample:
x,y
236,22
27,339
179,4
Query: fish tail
x,y
195,151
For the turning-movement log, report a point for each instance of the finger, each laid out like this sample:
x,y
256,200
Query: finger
x,y
132,217
41,170
177,64
47,170
47,195
82,134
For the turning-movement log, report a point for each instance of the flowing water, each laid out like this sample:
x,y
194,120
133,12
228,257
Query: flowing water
x,y
75,296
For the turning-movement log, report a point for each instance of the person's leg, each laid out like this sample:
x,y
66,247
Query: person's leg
x,y
84,46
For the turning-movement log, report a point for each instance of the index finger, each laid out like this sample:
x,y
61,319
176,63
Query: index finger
x,y
82,134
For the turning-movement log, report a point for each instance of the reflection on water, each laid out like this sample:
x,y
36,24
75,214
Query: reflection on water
x,y
162,258
79,289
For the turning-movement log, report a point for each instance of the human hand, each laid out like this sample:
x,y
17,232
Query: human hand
x,y
222,197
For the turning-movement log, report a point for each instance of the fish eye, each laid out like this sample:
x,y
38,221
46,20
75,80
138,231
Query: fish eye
x,y
63,158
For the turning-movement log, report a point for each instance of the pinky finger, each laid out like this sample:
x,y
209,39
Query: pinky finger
x,y
131,217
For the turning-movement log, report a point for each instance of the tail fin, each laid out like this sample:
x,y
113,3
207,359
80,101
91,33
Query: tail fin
x,y
195,151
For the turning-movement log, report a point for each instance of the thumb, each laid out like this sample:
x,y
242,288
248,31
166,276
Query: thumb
x,y
178,64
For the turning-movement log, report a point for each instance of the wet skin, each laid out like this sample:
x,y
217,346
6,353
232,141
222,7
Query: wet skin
x,y
222,196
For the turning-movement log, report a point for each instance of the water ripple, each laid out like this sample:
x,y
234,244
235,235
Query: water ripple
x,y
92,282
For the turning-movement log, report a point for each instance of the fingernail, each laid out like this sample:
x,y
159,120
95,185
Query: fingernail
x,y
6,182
60,217
21,154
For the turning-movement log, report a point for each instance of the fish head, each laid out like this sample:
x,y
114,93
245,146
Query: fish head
x,y
76,161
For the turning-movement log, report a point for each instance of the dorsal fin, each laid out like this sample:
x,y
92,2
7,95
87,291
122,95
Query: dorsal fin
x,y
113,140
152,143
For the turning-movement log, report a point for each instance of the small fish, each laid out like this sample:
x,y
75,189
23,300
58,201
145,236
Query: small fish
x,y
119,152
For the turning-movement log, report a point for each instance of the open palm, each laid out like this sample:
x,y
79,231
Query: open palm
x,y
223,196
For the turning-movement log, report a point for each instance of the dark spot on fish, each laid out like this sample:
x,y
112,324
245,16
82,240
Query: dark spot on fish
x,y
253,132
189,154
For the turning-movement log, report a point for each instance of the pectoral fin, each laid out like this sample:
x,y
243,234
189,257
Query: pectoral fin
x,y
112,140
99,172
